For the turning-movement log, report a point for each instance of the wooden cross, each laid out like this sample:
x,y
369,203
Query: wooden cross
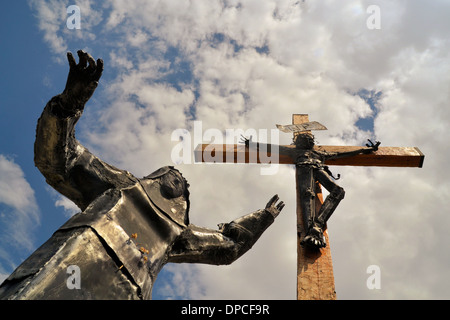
x,y
315,279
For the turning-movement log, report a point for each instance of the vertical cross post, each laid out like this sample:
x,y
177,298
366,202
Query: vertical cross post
x,y
315,279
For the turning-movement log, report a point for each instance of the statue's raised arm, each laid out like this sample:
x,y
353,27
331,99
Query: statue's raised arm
x,y
68,166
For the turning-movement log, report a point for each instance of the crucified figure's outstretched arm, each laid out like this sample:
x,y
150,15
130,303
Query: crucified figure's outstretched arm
x,y
267,147
370,147
68,166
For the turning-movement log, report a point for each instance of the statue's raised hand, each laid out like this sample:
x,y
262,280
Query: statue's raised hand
x,y
273,207
82,80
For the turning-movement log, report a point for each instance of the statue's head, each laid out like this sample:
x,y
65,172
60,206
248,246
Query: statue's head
x,y
173,184
304,141
169,190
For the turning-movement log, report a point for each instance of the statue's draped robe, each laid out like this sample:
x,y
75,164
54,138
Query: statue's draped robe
x,y
115,205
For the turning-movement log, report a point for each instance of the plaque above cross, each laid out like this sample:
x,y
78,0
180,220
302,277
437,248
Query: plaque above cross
x,y
315,279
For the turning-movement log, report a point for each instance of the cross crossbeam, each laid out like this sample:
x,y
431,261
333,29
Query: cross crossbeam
x,y
384,157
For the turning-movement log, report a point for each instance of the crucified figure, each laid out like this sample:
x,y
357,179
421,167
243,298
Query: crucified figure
x,y
310,164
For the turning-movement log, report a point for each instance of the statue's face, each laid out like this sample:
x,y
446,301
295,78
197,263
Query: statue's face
x,y
168,190
173,184
304,141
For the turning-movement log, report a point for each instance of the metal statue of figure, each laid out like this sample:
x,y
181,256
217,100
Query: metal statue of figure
x,y
128,228
310,163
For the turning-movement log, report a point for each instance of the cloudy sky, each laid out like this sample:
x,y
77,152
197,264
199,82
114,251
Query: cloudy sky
x,y
241,65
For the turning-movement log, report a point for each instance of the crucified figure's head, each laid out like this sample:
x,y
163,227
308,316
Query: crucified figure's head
x,y
304,141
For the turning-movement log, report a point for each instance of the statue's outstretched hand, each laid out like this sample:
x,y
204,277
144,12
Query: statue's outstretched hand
x,y
274,208
82,80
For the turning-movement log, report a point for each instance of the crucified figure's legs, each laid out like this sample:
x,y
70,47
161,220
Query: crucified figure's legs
x,y
337,193
315,222
306,188
306,191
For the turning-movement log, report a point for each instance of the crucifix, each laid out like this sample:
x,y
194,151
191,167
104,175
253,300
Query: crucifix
x,y
315,279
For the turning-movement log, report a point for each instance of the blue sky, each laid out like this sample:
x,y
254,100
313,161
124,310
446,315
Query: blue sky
x,y
244,64
22,92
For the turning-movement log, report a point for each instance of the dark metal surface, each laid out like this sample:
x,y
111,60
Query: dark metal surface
x,y
128,228
310,164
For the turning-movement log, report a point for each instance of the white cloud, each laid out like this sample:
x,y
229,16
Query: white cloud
x,y
19,213
3,277
69,207
51,18
316,56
